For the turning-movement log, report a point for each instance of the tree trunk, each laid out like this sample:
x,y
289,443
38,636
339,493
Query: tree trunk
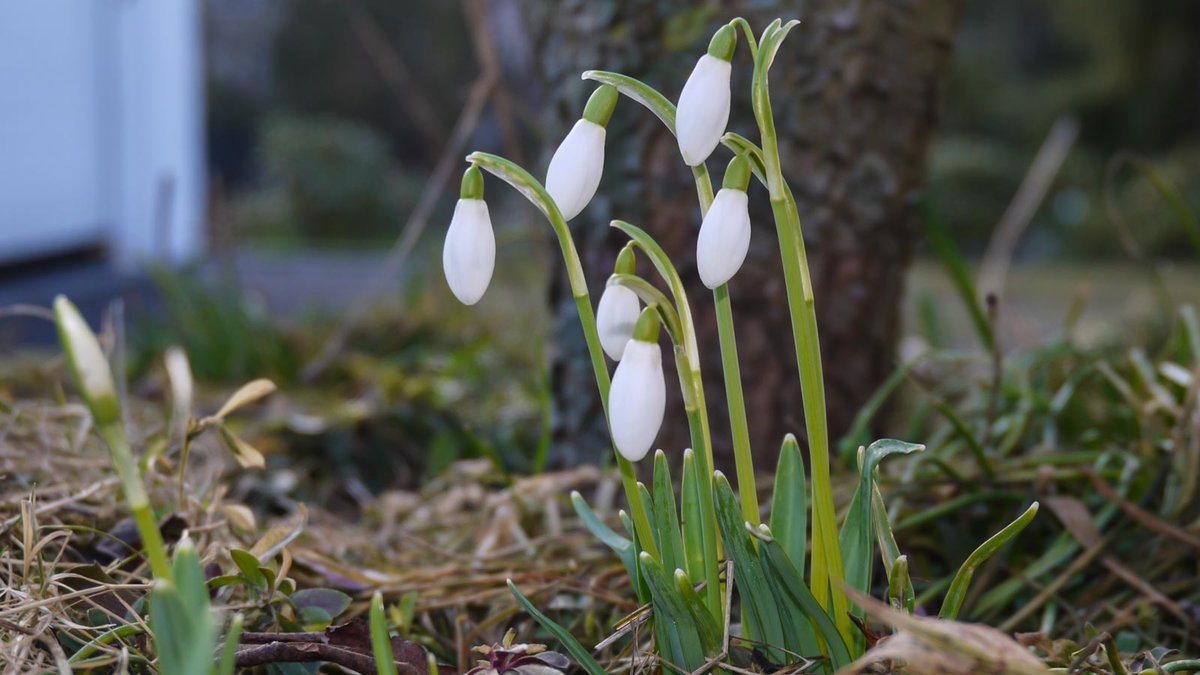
x,y
855,89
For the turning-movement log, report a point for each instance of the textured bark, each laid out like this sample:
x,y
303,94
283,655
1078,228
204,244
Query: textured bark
x,y
855,91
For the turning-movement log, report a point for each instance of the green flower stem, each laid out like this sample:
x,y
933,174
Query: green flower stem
x,y
135,496
531,189
732,373
740,430
827,573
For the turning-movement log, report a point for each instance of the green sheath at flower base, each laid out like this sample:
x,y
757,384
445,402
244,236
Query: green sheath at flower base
x,y
646,329
600,106
472,184
737,174
724,41
626,261
85,359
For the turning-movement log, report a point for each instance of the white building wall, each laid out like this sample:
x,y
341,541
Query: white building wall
x,y
101,128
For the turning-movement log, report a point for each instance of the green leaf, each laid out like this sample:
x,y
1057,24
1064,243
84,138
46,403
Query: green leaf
x,y
671,611
888,549
760,614
333,602
581,655
710,632
789,583
314,618
381,642
962,580
638,91
690,494
900,590
622,546
666,519
857,555
248,565
789,503
228,658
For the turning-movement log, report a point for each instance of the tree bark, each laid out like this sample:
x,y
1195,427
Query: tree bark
x,y
856,90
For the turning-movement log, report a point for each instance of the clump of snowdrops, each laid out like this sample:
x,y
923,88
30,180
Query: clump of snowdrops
x,y
688,554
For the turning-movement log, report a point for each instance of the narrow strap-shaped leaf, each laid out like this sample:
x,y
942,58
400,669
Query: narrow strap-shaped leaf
x,y
710,633
858,558
900,591
649,502
889,551
581,655
691,494
381,642
790,582
760,614
622,546
670,609
666,517
789,503
228,659
962,580
639,91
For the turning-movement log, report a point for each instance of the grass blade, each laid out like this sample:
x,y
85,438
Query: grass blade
x,y
952,259
666,519
581,655
381,643
958,587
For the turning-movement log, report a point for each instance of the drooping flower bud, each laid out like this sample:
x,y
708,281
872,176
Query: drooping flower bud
x,y
638,396
725,233
469,255
575,169
86,361
703,110
619,308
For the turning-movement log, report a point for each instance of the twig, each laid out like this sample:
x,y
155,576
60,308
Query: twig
x,y
1025,203
307,652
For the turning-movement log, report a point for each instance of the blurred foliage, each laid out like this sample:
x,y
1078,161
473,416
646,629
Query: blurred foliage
x,y
1127,72
327,179
410,394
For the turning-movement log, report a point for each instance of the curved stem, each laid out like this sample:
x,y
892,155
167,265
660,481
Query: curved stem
x,y
531,189
136,498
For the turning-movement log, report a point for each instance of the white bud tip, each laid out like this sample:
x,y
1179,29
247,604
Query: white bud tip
x,y
575,169
469,255
724,238
616,316
703,110
637,399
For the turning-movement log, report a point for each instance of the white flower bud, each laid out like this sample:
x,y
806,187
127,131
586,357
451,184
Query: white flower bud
x,y
575,168
615,318
637,399
724,238
703,110
87,363
469,256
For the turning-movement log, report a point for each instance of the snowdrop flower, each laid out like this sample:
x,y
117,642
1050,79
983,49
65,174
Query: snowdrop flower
x,y
725,233
703,110
619,309
575,168
86,361
638,396
469,256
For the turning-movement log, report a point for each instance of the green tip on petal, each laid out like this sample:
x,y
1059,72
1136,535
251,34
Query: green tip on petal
x,y
600,106
723,43
646,329
472,184
626,261
737,174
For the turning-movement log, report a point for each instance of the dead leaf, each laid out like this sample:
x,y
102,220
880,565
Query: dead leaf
x,y
940,646
249,393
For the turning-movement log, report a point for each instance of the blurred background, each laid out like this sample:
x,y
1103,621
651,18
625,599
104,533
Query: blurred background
x,y
267,183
